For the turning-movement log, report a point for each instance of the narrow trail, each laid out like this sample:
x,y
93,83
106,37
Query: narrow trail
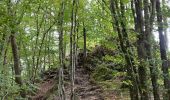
x,y
84,88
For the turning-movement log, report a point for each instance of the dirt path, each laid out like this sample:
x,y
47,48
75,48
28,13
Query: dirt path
x,y
84,88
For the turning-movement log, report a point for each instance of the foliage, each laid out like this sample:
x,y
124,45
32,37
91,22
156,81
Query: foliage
x,y
102,73
35,27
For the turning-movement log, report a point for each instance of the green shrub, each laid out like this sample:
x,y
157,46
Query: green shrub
x,y
102,73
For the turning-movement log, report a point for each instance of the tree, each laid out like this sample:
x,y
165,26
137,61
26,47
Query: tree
x,y
149,20
85,47
124,43
61,51
14,46
72,47
163,51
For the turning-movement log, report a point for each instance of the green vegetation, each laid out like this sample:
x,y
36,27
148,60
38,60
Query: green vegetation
x,y
84,50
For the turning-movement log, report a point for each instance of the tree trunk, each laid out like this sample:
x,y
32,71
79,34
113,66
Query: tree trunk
x,y
124,44
163,52
149,19
85,49
165,23
141,43
14,47
17,70
72,48
61,51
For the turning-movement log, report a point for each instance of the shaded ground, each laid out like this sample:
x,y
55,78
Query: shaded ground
x,y
85,89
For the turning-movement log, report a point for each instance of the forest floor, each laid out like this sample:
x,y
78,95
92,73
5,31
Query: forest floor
x,y
85,87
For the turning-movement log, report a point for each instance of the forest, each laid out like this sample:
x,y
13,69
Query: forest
x,y
84,50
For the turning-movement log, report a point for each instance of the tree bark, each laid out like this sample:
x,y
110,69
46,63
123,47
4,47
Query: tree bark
x,y
14,46
142,55
165,23
85,48
163,51
124,43
72,48
61,51
149,19
17,70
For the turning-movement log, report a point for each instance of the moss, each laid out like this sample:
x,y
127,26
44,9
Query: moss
x,y
102,73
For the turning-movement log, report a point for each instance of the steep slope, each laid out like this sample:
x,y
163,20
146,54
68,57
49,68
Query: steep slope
x,y
85,87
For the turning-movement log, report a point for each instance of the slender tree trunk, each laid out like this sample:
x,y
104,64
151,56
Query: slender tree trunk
x,y
48,50
165,23
61,51
77,40
149,19
34,47
45,54
75,36
71,51
85,48
163,52
142,55
124,44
